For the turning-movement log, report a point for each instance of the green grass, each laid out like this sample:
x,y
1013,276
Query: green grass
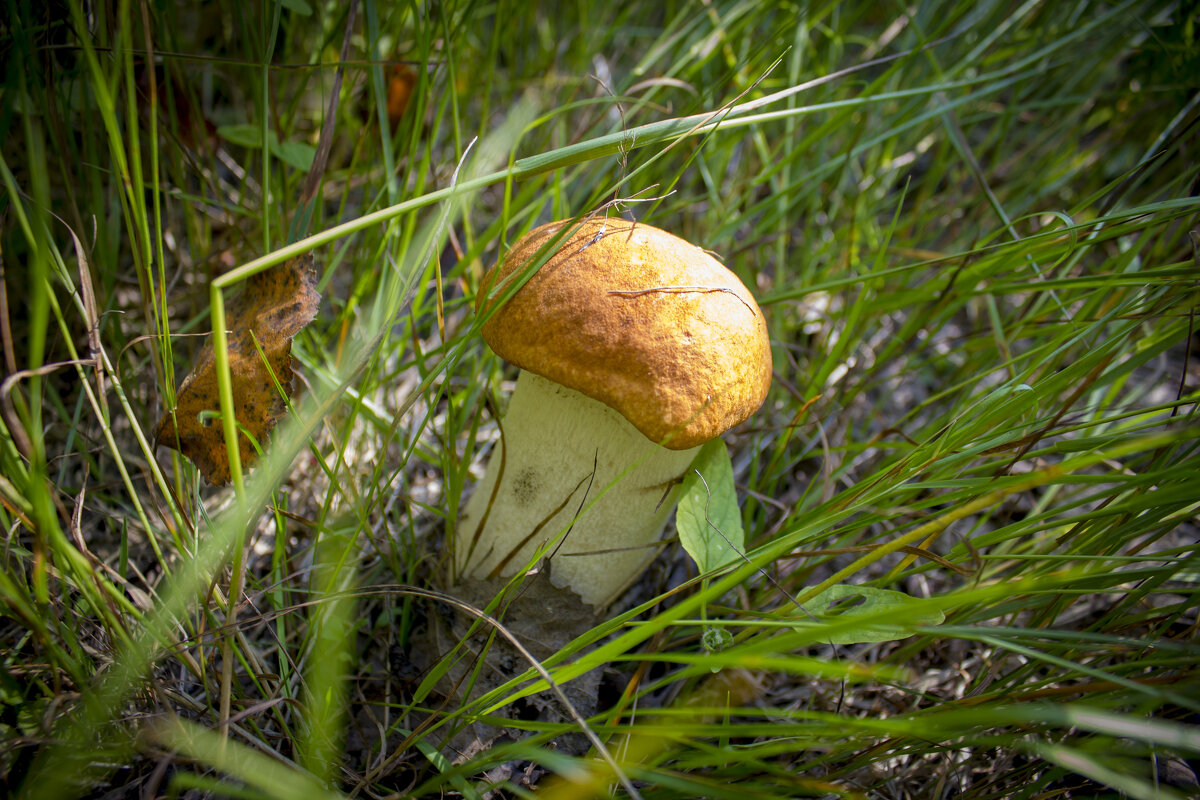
x,y
971,228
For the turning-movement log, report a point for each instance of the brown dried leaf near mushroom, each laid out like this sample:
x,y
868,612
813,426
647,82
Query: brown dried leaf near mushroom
x,y
273,307
635,348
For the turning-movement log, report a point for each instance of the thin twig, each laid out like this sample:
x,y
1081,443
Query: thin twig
x,y
684,290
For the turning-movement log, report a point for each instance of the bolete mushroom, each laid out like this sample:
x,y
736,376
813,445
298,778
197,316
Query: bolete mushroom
x,y
635,348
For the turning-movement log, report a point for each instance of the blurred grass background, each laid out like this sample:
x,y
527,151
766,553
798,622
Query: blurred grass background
x,y
972,228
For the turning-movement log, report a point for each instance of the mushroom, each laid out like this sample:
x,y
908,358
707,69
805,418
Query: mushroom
x,y
635,348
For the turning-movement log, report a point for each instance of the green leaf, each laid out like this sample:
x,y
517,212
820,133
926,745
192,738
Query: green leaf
x,y
708,518
297,7
843,603
715,640
243,135
294,154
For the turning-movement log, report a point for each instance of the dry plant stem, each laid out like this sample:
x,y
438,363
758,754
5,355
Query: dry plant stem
x,y
231,604
555,438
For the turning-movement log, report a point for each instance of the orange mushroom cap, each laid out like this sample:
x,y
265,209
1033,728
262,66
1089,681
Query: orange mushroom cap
x,y
639,319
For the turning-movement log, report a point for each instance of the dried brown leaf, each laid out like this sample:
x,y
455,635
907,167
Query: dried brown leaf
x,y
273,307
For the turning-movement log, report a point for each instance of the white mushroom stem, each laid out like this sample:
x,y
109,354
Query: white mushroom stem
x,y
554,440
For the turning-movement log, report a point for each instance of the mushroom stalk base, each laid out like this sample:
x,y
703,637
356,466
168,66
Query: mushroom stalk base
x,y
602,528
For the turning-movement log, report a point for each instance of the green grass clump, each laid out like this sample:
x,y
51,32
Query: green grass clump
x,y
974,230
